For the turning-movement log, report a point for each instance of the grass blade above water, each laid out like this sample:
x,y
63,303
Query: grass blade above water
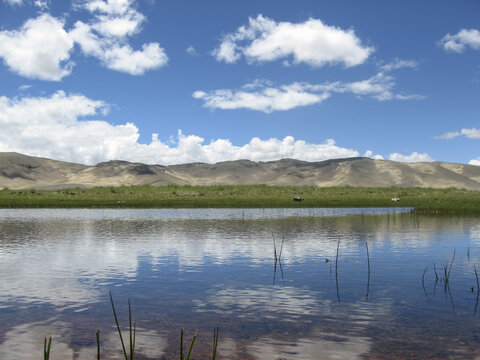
x,y
46,348
118,327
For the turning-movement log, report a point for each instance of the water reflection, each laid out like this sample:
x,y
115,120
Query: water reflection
x,y
317,346
206,268
26,342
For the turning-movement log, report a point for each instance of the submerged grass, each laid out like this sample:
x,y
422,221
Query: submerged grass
x,y
424,200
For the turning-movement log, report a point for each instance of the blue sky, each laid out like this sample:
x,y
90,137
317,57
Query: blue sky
x,y
181,81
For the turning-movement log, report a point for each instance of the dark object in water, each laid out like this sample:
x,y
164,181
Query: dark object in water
x,y
298,198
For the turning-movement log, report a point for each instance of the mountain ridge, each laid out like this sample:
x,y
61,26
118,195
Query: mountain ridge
x,y
19,171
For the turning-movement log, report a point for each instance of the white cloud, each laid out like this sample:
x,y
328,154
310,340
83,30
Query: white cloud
x,y
24,87
468,133
111,7
14,2
474,162
116,55
264,96
51,127
40,49
191,51
41,4
106,37
311,42
458,42
117,18
118,26
369,153
413,157
135,62
399,64
378,87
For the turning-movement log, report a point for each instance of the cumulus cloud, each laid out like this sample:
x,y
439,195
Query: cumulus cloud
x,y
475,162
116,18
413,157
370,154
311,42
53,127
40,49
468,133
106,37
458,42
263,96
134,62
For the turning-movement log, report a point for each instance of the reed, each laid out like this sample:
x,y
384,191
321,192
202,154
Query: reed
x,y
336,270
368,279
274,249
190,348
476,276
478,291
281,249
46,348
277,258
423,283
98,344
132,335
451,263
215,343
132,331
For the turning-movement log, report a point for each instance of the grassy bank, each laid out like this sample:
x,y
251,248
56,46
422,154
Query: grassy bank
x,y
253,196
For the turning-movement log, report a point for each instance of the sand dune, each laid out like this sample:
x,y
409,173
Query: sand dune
x,y
19,171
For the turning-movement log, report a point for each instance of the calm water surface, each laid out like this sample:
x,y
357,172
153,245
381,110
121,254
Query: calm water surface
x,y
199,269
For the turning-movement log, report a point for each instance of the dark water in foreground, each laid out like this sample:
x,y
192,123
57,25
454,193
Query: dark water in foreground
x,y
198,269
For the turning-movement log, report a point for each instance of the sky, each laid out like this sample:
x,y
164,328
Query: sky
x,y
169,82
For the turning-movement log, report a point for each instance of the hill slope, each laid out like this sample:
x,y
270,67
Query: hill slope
x,y
19,171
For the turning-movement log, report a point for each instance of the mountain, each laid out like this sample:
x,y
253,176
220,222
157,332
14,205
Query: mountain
x,y
19,171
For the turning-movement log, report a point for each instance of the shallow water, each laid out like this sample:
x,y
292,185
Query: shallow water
x,y
199,269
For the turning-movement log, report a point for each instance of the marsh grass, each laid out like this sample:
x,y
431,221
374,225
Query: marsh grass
x,y
215,342
277,258
424,200
46,348
478,291
132,330
130,354
336,270
445,279
368,278
98,344
182,357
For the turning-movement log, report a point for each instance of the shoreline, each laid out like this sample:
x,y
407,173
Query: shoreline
x,y
422,200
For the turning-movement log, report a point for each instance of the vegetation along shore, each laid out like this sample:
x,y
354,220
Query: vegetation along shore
x,y
423,200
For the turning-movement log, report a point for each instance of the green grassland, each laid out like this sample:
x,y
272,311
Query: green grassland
x,y
424,200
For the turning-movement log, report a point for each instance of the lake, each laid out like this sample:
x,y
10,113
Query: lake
x,y
280,284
